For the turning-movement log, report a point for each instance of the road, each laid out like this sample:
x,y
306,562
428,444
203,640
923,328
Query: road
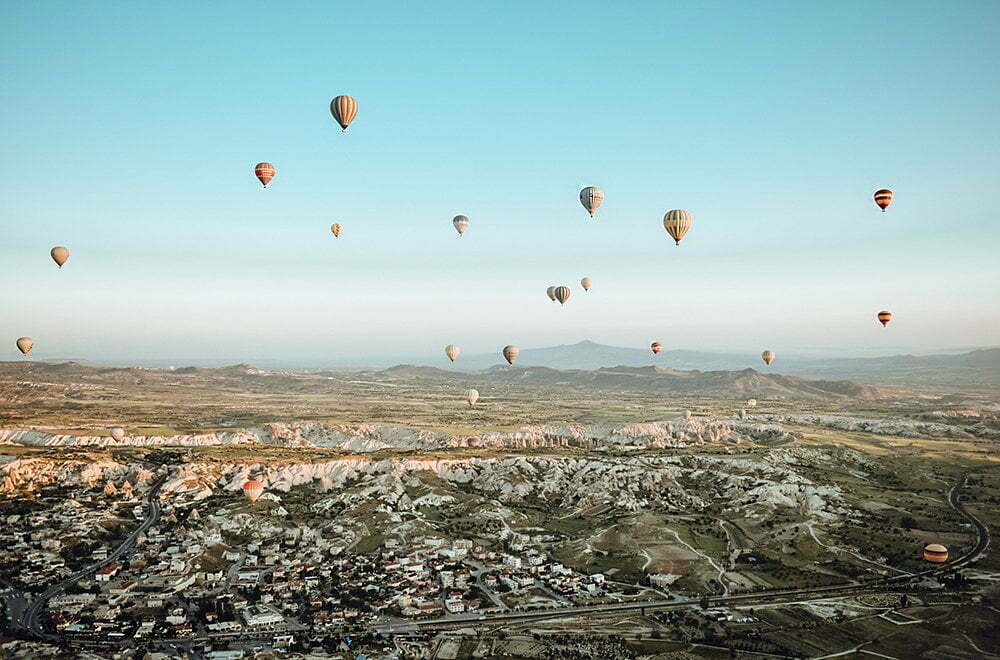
x,y
29,619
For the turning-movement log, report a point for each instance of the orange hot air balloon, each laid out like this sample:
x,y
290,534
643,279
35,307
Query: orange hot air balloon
x,y
253,489
24,344
656,347
265,172
336,229
883,198
936,553
884,317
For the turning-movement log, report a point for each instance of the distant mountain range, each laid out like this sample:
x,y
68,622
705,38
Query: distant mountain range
x,y
977,367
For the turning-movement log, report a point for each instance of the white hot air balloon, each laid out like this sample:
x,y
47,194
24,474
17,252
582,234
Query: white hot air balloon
x,y
461,223
586,283
472,396
452,351
118,433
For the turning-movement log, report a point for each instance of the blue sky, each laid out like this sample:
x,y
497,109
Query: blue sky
x,y
130,133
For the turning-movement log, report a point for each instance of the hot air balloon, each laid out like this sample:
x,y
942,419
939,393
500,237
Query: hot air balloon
x,y
472,396
562,294
551,293
767,357
884,317
883,198
118,433
751,403
452,351
253,489
24,344
461,223
677,223
344,109
585,283
265,172
656,347
591,197
336,229
510,353
936,553
59,255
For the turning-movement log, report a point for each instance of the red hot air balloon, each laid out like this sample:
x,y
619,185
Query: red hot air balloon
x,y
884,317
264,172
253,489
883,198
656,347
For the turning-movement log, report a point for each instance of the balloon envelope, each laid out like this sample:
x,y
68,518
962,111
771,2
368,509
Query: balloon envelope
x,y
883,198
336,229
551,293
767,357
562,294
510,353
591,197
452,351
344,109
585,283
118,433
253,489
472,396
936,553
656,347
677,223
265,172
24,344
461,223
59,255
884,317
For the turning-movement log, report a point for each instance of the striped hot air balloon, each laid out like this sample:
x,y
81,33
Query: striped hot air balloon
x,y
461,223
336,229
883,198
936,553
24,344
344,109
767,357
591,197
452,351
510,353
884,317
562,294
59,255
253,489
656,347
265,172
677,223
585,283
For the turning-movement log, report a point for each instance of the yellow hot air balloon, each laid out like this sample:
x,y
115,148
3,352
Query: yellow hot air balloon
x,y
591,197
551,293
59,255
452,351
118,433
344,109
562,294
510,353
461,223
472,396
336,229
585,283
677,223
24,344
767,357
